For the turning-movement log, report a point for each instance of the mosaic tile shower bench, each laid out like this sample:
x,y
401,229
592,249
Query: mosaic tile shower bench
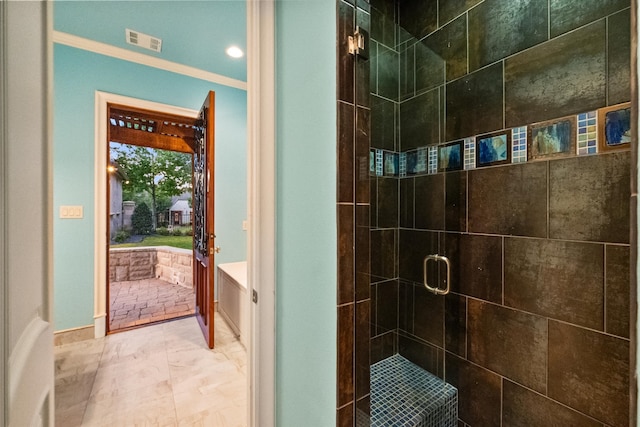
x,y
403,394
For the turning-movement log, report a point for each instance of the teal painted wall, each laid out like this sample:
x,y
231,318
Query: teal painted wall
x,y
306,214
77,75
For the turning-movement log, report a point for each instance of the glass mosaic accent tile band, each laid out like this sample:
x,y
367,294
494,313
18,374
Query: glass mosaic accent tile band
x,y
519,145
379,162
403,395
433,159
403,164
587,137
469,153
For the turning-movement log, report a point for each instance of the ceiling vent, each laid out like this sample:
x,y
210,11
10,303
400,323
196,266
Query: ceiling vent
x,y
143,40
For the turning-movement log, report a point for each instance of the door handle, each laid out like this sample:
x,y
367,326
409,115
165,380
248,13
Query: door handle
x,y
435,289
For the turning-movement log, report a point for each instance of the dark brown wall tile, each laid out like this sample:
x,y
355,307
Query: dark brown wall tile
x,y
428,357
405,306
373,200
617,290
498,29
429,202
449,9
589,371
474,103
522,407
345,254
568,15
589,198
346,130
363,253
387,306
414,246
429,68
619,58
345,354
420,121
346,82
363,67
456,324
383,125
450,44
361,166
565,76
478,392
407,72
373,66
362,362
388,203
509,200
509,342
428,317
561,280
363,411
406,203
455,209
345,416
383,27
383,346
388,78
476,265
383,254
419,17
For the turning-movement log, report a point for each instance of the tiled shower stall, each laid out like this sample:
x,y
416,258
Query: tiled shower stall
x,y
487,131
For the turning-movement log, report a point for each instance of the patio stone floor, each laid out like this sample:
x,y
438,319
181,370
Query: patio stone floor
x,y
139,302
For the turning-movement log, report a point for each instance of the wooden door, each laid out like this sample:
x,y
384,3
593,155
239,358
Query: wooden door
x,y
203,217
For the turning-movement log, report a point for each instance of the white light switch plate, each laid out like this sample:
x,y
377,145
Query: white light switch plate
x,y
244,225
71,212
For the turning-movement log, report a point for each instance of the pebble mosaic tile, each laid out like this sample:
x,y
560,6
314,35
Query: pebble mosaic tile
x,y
519,145
433,159
469,153
587,133
403,395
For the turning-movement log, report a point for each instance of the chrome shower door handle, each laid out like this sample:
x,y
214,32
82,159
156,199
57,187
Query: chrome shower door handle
x,y
435,289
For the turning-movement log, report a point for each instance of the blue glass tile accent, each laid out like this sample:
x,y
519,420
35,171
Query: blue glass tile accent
x,y
372,162
403,395
432,166
412,162
587,135
519,145
469,153
403,164
391,164
422,160
379,164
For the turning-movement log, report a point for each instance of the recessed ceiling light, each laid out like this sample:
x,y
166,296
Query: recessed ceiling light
x,y
235,52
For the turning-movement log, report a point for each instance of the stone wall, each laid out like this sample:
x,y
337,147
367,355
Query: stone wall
x,y
172,265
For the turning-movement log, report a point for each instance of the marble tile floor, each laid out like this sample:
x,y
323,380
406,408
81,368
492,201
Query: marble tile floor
x,y
157,375
139,302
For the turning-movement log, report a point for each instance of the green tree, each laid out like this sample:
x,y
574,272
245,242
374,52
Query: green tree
x,y
158,173
141,219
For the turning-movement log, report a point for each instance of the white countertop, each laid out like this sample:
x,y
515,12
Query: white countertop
x,y
237,270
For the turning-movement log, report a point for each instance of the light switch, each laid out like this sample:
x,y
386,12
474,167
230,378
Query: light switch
x,y
244,225
71,212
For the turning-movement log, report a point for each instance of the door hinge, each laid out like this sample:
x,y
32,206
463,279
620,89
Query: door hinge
x,y
359,43
254,296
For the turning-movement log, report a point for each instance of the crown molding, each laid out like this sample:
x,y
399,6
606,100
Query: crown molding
x,y
142,59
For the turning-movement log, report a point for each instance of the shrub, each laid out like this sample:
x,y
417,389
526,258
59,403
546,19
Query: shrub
x,y
163,231
141,221
188,232
121,236
177,232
